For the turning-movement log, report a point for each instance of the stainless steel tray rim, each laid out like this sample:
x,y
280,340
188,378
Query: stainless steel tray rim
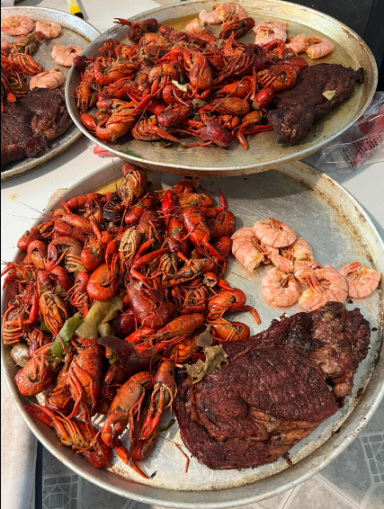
x,y
228,170
290,478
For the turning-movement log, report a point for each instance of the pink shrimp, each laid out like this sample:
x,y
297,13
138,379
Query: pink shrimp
x,y
361,281
324,285
297,43
317,47
280,289
268,31
195,26
65,55
274,233
17,25
224,12
4,45
248,250
49,29
49,79
295,258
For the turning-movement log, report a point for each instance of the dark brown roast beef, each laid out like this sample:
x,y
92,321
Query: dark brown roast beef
x,y
29,124
274,392
297,109
255,409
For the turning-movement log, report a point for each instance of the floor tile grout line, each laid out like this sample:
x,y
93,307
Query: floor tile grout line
x,y
367,496
289,497
340,493
371,433
367,460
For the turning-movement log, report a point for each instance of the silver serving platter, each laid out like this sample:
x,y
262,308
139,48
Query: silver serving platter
x,y
340,231
75,31
265,153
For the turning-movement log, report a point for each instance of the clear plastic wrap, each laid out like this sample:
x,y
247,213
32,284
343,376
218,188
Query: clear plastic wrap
x,y
362,141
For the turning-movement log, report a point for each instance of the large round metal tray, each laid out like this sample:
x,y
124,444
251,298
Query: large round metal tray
x,y
340,231
75,31
265,153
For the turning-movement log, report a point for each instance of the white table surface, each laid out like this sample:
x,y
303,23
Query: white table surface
x,y
24,198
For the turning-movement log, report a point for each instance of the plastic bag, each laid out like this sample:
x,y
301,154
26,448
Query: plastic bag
x,y
363,140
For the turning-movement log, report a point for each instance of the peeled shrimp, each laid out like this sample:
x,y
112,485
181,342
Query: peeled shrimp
x,y
65,55
268,31
49,79
317,47
224,12
324,285
49,29
4,45
17,25
208,18
297,43
248,250
361,281
280,289
195,26
274,233
295,258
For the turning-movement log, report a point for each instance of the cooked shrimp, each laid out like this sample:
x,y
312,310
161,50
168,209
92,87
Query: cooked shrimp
x,y
324,285
17,25
230,10
361,281
268,31
317,47
65,55
248,250
274,233
4,45
295,258
208,18
297,43
49,79
280,289
224,12
49,29
195,26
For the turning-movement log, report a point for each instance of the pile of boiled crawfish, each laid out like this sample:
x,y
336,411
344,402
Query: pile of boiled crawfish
x,y
173,84
159,257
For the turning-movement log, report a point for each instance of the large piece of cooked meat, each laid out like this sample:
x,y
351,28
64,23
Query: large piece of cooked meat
x,y
274,392
29,124
297,109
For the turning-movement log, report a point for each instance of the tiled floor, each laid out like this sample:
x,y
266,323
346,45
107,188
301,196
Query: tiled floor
x,y
354,480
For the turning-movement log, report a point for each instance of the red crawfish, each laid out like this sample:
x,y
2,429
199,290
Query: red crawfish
x,y
198,231
53,310
103,283
137,30
125,409
150,308
192,269
20,315
84,376
174,114
37,375
133,185
79,435
224,330
162,397
77,294
237,28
